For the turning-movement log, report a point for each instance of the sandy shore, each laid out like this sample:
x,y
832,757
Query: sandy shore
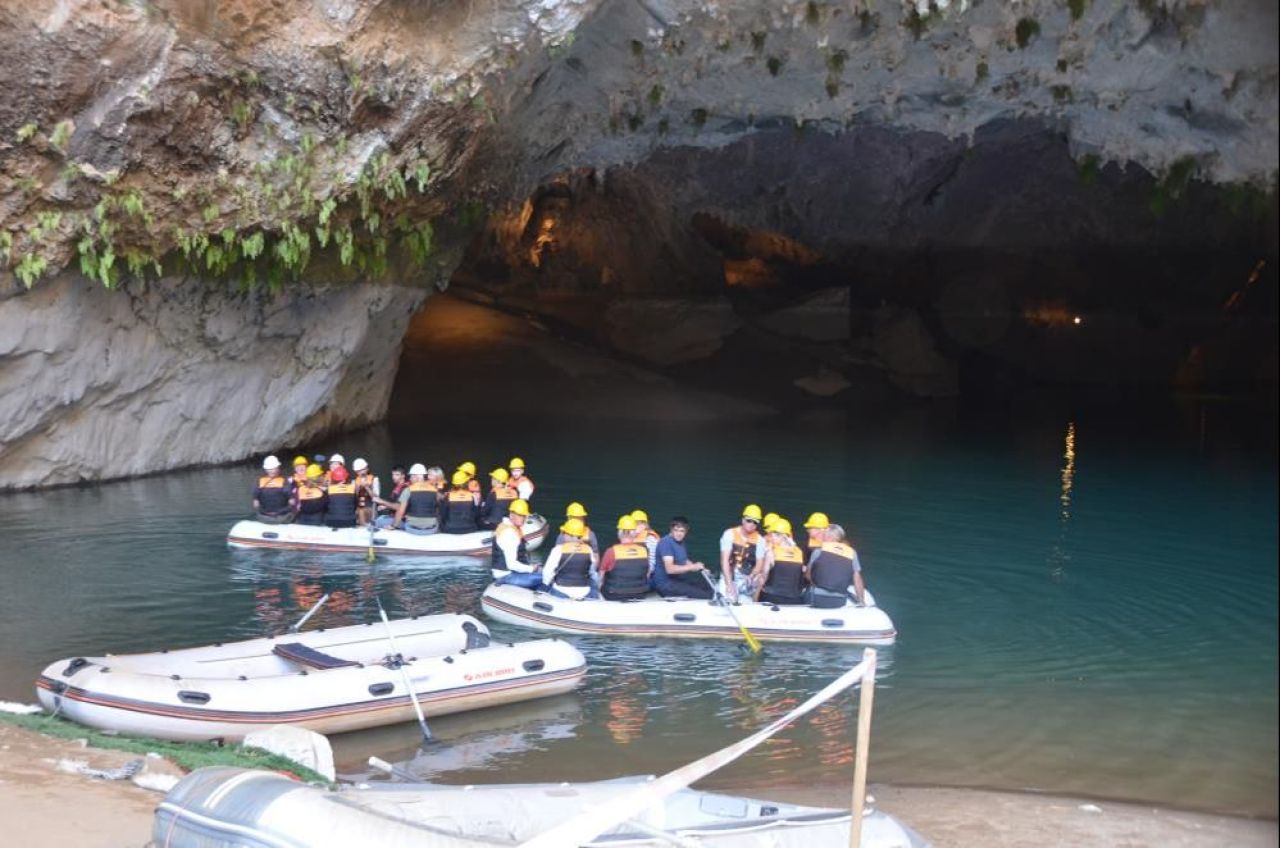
x,y
43,805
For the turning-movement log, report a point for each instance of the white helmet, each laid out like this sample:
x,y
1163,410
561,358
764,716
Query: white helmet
x,y
419,469
337,457
270,463
359,465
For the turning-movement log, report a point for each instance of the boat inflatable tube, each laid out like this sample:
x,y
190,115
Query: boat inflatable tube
x,y
256,809
689,618
308,537
329,681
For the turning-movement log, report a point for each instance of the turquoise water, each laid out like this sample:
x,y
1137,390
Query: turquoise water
x,y
1086,601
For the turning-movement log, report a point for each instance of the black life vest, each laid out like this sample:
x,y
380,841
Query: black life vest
x,y
341,510
742,551
273,494
424,500
460,512
575,564
786,577
833,568
498,503
630,573
311,503
498,560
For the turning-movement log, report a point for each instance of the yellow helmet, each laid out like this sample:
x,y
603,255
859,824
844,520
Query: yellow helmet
x,y
314,472
519,506
818,521
626,522
782,526
468,468
500,474
299,460
770,518
460,477
575,510
752,511
516,462
640,515
574,527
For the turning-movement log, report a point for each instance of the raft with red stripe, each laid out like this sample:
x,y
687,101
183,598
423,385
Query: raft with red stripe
x,y
358,540
329,681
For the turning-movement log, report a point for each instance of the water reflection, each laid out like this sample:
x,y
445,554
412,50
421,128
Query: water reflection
x,y
1061,556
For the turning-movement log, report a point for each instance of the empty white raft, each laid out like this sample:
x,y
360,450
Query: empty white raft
x,y
689,618
329,681
308,537
256,809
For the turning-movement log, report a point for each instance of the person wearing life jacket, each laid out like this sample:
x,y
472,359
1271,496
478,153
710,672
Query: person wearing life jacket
x,y
387,509
459,512
336,461
675,576
520,478
273,498
299,470
367,489
418,506
624,568
645,535
577,510
473,485
497,500
312,499
341,509
435,476
770,518
780,574
510,563
569,571
833,570
741,547
816,526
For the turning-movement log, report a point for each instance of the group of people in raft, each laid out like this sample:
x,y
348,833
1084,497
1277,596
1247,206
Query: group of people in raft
x,y
420,500
759,557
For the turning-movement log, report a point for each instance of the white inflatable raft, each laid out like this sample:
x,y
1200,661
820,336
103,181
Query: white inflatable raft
x,y
329,681
689,618
307,537
256,809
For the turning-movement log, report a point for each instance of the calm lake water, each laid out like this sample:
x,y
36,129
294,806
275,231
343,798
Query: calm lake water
x,y
1086,600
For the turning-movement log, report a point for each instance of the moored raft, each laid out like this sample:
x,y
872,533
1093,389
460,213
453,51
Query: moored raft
x,y
329,681
308,537
224,806
689,618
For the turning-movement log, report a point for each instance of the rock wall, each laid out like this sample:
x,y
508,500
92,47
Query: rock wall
x,y
96,384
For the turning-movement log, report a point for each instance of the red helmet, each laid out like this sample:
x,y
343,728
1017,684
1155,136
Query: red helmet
x,y
338,475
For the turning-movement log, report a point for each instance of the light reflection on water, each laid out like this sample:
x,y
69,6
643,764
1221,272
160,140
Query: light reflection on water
x,y
1078,611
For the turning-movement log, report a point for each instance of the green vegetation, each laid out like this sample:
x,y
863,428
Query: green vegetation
x,y
916,23
836,60
637,48
832,85
1173,185
812,14
757,41
1089,168
1026,31
61,135
188,755
774,64
26,131
1062,93
30,268
698,117
983,71
1077,8
655,94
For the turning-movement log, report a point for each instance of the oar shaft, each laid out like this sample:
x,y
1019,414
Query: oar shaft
x,y
404,674
314,609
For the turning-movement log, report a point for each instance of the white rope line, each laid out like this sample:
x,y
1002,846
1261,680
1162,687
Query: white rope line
x,y
591,823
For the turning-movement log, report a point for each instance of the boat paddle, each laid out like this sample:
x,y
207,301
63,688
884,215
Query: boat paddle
x,y
752,642
314,609
369,557
398,659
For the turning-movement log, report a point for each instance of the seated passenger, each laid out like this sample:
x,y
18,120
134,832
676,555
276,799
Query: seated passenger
x,y
510,563
273,498
624,568
780,573
299,470
833,570
577,510
312,499
418,509
473,485
815,525
570,566
674,576
341,509
387,508
645,535
496,502
459,512
367,489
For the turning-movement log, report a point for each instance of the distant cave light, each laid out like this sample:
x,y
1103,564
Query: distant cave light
x,y
1052,315
1077,320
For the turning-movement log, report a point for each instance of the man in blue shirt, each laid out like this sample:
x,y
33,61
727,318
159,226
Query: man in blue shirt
x,y
673,575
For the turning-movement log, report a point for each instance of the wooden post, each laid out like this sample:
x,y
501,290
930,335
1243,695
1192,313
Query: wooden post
x,y
860,755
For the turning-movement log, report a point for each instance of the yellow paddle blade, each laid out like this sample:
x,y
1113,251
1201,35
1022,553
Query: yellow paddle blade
x,y
752,642
370,557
